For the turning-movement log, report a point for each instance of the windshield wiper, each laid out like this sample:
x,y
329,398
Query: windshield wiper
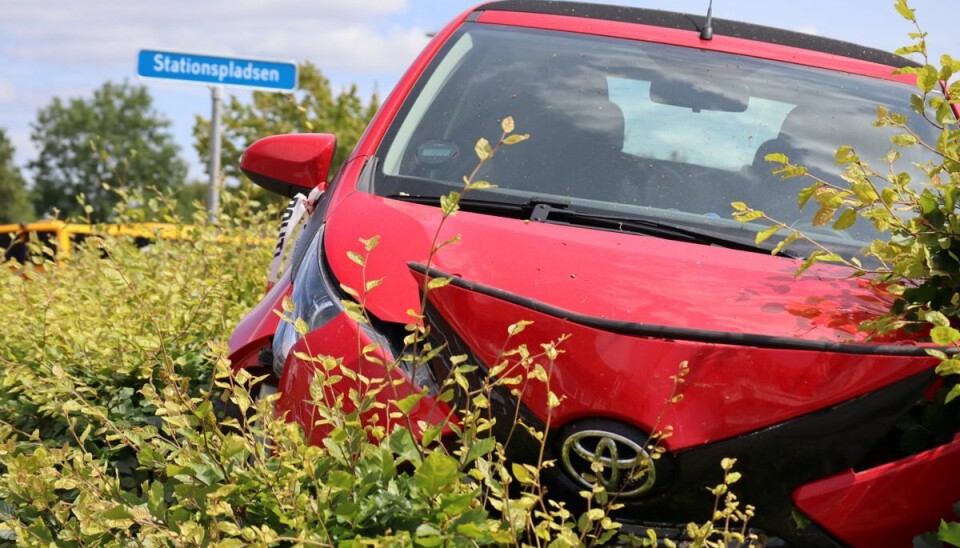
x,y
554,210
518,210
657,228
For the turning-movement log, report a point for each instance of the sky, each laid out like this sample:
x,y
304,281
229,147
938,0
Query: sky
x,y
68,48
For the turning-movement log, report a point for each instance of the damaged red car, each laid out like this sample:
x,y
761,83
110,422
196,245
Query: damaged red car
x,y
612,224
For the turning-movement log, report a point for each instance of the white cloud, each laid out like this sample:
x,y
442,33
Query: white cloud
x,y
808,29
7,91
338,33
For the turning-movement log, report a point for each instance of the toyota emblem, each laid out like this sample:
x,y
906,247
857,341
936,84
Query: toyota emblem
x,y
627,471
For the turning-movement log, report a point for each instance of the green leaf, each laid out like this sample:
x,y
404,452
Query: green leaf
x,y
370,244
847,219
905,11
777,158
522,474
808,262
804,196
517,328
747,216
480,448
949,533
937,318
479,185
913,48
355,257
507,124
403,445
904,140
786,241
301,326
436,472
408,403
944,336
949,367
450,203
928,203
824,216
765,234
790,171
436,283
928,79
233,445
889,196
117,512
483,149
514,139
846,155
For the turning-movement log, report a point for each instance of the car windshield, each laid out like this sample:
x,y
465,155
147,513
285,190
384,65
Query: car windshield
x,y
635,129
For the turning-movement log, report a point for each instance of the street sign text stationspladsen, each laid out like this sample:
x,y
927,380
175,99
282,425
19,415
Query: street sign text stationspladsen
x,y
224,71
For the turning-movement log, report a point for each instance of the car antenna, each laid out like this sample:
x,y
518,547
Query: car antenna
x,y
706,33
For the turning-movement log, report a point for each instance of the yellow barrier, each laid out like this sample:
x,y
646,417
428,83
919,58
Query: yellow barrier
x,y
60,236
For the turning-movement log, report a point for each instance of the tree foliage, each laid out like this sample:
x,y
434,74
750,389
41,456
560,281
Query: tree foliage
x,y
918,253
313,108
918,219
114,137
14,203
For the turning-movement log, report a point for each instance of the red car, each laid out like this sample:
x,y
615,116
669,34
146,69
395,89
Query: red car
x,y
612,223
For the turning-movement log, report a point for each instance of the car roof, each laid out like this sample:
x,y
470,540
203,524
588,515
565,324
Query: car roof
x,y
694,23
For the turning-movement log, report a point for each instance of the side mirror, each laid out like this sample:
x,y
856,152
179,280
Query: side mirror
x,y
291,163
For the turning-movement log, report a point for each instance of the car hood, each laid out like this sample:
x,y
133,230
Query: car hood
x,y
600,274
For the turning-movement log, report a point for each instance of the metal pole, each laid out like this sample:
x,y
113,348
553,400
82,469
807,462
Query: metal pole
x,y
213,197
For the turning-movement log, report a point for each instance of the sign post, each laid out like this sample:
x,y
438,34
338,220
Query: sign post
x,y
213,195
217,72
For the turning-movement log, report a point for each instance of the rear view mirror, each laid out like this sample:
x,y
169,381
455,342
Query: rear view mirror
x,y
291,163
699,95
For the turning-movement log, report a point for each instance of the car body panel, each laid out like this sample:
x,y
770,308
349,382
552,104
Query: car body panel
x,y
341,338
881,506
256,329
686,38
730,390
710,288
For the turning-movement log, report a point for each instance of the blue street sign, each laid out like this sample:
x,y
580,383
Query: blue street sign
x,y
278,75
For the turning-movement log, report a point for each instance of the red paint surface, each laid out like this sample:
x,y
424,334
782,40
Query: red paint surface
x,y
300,159
730,390
599,273
256,329
342,338
887,505
689,38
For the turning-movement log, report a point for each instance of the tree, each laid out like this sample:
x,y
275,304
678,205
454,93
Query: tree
x,y
114,138
14,204
312,108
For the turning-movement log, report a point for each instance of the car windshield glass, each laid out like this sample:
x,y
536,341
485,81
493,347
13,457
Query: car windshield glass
x,y
637,129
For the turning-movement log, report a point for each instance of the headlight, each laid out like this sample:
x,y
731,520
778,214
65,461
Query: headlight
x,y
315,300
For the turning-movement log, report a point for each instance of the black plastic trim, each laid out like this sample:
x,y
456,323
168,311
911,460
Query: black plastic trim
x,y
695,23
282,188
683,333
